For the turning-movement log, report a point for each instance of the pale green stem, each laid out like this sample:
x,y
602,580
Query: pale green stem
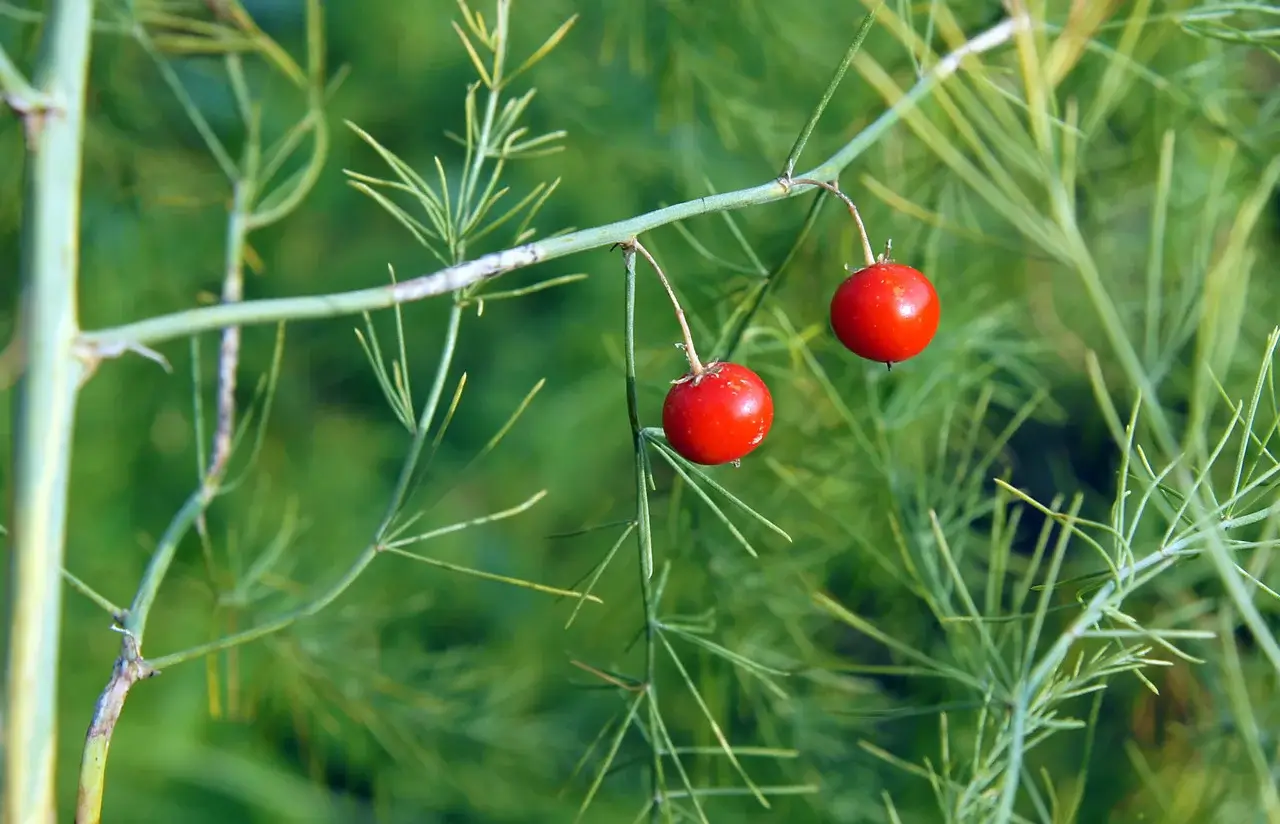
x,y
116,341
130,666
425,420
193,508
45,415
135,622
229,351
315,120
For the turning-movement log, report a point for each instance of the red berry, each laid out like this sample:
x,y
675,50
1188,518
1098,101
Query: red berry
x,y
718,416
886,312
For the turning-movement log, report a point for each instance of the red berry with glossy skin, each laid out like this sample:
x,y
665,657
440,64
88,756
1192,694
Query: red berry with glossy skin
x,y
719,416
886,312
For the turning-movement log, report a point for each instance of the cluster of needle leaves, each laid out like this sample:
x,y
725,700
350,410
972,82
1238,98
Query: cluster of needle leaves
x,y
454,216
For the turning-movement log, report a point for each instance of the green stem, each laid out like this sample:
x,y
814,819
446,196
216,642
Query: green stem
x,y
867,253
690,352
370,552
135,622
45,413
644,535
790,165
770,285
103,602
197,502
130,667
424,421
229,351
273,625
115,341
315,120
16,90
468,208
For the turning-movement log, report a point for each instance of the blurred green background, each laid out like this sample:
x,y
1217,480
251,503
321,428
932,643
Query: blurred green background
x,y
427,696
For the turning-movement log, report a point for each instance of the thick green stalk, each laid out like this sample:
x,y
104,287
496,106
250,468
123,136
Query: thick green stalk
x,y
45,413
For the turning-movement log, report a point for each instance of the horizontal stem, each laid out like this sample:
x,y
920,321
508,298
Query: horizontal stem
x,y
116,341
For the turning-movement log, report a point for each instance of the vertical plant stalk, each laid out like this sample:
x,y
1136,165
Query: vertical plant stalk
x,y
644,535
130,667
45,414
243,218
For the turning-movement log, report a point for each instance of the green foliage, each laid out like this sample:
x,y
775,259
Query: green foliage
x,y
1025,577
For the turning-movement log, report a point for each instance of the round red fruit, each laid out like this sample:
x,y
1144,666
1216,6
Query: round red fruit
x,y
718,416
886,312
